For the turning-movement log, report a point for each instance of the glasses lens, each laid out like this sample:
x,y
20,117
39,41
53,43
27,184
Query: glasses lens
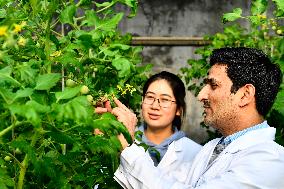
x,y
163,102
148,99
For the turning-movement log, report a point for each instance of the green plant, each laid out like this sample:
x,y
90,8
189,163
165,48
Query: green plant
x,y
58,59
264,32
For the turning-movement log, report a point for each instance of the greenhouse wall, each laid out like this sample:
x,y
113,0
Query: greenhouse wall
x,y
179,18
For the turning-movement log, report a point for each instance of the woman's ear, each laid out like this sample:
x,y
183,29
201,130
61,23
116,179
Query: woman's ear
x,y
178,112
247,95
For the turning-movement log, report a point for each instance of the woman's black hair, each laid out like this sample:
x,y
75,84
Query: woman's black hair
x,y
178,89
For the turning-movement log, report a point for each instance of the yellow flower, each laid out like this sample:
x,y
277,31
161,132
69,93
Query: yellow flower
x,y
56,54
18,27
3,30
22,41
119,87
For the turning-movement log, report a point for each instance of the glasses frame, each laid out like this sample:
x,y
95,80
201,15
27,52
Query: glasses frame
x,y
158,99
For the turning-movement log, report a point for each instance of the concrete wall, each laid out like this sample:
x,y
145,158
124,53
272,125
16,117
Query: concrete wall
x,y
179,18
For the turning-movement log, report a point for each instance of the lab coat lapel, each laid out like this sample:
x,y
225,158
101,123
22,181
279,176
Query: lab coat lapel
x,y
171,155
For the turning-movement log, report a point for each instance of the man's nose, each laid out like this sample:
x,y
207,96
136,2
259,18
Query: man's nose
x,y
203,94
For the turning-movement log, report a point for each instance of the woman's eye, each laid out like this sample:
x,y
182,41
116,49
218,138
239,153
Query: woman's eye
x,y
149,97
165,100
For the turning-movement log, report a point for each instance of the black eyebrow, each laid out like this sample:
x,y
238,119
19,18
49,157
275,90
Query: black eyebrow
x,y
209,81
160,94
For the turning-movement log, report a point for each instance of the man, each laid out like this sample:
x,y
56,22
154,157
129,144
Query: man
x,y
240,90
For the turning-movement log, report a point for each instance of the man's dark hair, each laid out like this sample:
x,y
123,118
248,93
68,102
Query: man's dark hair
x,y
251,66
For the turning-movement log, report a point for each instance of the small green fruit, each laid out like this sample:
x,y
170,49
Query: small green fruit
x,y
273,27
70,83
18,151
90,98
84,89
7,158
279,32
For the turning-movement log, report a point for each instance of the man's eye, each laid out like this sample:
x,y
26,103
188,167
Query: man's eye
x,y
213,85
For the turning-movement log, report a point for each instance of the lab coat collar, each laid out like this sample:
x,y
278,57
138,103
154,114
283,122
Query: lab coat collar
x,y
250,139
171,155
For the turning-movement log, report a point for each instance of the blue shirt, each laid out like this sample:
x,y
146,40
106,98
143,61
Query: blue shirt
x,y
227,140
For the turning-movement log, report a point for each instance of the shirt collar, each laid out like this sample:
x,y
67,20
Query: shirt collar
x,y
227,140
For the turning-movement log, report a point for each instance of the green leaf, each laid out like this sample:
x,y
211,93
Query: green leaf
x,y
37,106
21,93
133,6
278,105
279,4
26,72
67,14
76,109
3,13
104,4
120,46
68,58
123,66
7,95
229,17
108,115
110,24
280,7
5,180
258,7
91,18
47,81
67,93
60,137
255,20
5,76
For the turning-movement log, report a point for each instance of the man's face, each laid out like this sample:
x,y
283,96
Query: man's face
x,y
220,105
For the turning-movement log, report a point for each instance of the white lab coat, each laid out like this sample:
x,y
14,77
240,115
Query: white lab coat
x,y
175,163
253,161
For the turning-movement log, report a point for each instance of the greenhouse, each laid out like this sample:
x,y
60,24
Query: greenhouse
x,y
141,94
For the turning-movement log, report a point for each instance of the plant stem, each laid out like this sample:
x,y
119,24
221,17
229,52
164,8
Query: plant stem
x,y
3,132
106,7
25,164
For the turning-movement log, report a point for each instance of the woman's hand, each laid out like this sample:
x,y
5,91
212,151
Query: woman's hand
x,y
124,115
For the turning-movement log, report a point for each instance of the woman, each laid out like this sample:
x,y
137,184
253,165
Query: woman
x,y
163,110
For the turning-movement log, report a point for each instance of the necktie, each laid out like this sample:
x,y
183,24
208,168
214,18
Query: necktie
x,y
217,150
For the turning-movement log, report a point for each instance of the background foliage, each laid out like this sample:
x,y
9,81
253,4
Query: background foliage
x,y
58,59
259,29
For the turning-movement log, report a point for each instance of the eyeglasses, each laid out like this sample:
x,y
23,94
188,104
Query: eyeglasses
x,y
163,102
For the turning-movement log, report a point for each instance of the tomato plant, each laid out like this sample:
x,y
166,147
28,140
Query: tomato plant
x,y
264,31
58,59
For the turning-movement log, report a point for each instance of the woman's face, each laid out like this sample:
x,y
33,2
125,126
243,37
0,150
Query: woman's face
x,y
154,114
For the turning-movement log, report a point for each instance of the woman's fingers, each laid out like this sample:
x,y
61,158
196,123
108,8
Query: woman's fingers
x,y
120,105
108,106
100,110
98,132
128,119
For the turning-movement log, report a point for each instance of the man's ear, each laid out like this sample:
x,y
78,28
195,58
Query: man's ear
x,y
247,93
